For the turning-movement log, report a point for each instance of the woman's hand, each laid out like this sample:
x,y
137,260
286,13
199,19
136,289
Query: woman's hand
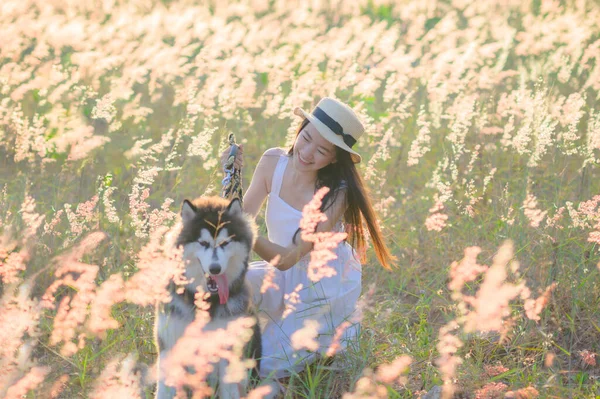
x,y
239,158
288,256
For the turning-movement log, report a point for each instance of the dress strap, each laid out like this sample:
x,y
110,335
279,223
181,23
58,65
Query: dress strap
x,y
278,174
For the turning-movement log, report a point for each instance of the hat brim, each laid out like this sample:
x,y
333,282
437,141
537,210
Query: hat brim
x,y
328,134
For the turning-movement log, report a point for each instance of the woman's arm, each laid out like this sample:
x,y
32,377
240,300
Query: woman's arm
x,y
292,254
260,184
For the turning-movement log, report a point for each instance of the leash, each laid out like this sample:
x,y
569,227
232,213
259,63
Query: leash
x,y
232,182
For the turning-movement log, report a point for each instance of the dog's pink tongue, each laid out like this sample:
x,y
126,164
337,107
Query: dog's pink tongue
x,y
223,286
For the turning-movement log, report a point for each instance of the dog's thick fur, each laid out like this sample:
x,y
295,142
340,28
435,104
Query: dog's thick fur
x,y
217,237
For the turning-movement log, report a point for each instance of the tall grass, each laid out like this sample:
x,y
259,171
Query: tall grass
x,y
483,128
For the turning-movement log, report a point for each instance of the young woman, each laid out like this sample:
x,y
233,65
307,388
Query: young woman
x,y
321,155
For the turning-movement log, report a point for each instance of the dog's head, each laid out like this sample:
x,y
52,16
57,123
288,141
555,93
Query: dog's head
x,y
217,238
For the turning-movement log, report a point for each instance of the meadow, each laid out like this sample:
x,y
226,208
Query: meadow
x,y
482,153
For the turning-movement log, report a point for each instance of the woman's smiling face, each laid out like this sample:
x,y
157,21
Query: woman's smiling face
x,y
311,150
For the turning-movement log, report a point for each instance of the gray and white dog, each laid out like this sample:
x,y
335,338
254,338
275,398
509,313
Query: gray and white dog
x,y
217,237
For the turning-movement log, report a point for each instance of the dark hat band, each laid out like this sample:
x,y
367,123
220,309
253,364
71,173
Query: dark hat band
x,y
334,126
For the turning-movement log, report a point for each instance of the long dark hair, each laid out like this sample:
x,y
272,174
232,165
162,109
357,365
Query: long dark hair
x,y
338,175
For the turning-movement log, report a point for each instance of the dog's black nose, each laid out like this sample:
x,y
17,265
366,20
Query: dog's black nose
x,y
215,268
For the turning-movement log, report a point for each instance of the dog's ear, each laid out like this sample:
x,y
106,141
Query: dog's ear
x,y
188,211
235,206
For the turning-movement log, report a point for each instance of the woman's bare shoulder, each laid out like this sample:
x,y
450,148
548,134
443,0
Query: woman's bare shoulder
x,y
274,152
267,164
270,157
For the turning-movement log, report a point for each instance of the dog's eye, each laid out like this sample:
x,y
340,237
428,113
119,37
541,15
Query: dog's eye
x,y
205,244
224,244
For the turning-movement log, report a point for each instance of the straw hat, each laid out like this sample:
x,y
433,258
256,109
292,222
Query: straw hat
x,y
337,123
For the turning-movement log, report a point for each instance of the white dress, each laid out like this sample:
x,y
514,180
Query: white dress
x,y
330,301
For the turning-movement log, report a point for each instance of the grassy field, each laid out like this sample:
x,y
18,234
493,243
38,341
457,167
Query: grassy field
x,y
482,149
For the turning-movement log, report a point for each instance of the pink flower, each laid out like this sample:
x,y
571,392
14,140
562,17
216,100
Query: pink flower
x,y
84,215
493,371
389,373
259,392
109,209
86,144
291,300
335,342
534,215
199,349
118,380
161,217
491,303
491,390
159,262
589,358
49,228
448,361
31,219
523,393
306,337
12,265
594,237
311,213
553,221
436,220
72,311
322,253
533,308
421,145
269,276
466,270
22,314
324,243
110,292
58,386
30,381
367,387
